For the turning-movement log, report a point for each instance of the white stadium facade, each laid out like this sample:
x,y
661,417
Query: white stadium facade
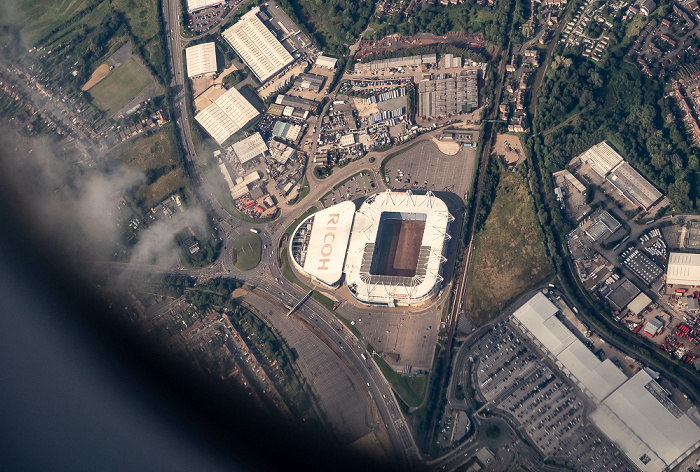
x,y
636,413
391,250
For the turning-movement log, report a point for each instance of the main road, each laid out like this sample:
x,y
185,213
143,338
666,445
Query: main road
x,y
267,275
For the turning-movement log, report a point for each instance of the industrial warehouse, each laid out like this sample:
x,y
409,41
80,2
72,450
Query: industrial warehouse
x,y
226,115
683,269
391,250
201,60
257,46
445,96
635,413
610,165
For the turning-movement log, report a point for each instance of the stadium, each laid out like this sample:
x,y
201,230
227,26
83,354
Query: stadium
x,y
391,250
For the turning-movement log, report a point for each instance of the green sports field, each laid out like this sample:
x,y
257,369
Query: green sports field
x,y
119,87
248,248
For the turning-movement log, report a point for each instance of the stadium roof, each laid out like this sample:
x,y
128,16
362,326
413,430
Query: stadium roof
x,y
257,46
249,148
602,158
385,289
633,186
683,269
319,243
201,59
194,5
225,116
640,418
597,379
325,61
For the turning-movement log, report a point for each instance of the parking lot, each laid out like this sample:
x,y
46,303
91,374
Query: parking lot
x,y
360,186
203,20
424,167
509,371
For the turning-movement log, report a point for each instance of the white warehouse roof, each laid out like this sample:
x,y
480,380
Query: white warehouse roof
x,y
325,61
597,379
225,116
683,269
201,59
602,158
257,46
646,425
249,148
194,5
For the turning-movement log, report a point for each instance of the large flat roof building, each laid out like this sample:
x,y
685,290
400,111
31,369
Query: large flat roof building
x,y
201,60
683,269
642,266
257,46
310,82
609,164
595,378
326,61
249,148
448,96
602,158
196,5
635,188
226,115
646,425
636,414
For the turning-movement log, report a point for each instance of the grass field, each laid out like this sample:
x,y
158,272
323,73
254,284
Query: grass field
x,y
41,18
118,88
510,254
410,389
248,248
142,16
153,155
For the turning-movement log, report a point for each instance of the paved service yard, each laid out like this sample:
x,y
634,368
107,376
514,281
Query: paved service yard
x,y
424,167
509,371
412,335
360,186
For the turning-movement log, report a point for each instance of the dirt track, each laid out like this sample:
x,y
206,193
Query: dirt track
x,y
100,73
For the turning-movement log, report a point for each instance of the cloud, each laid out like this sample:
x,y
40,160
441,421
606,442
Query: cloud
x,y
76,209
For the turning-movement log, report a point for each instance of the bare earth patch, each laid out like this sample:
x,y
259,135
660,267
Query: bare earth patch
x,y
509,146
447,147
100,73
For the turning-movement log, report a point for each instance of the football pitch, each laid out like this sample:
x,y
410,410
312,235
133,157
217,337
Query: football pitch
x,y
119,87
398,247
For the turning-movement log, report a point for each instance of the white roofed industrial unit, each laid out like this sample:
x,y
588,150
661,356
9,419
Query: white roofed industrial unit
x,y
201,60
226,115
325,61
602,158
196,5
636,413
318,245
646,425
257,46
537,319
638,305
249,148
683,269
